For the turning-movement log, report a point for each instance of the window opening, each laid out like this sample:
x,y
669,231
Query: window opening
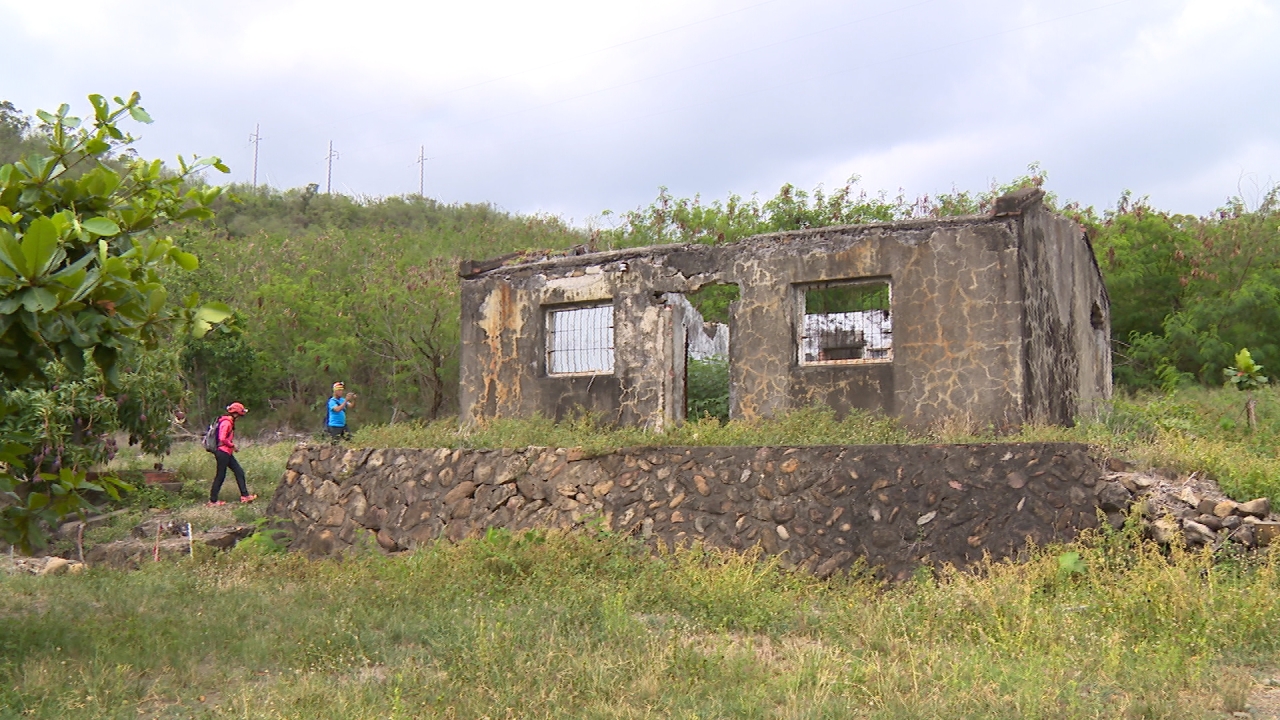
x,y
846,323
580,341
1095,317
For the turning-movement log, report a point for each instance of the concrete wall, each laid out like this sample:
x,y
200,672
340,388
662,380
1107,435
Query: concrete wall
x,y
818,508
991,320
1067,316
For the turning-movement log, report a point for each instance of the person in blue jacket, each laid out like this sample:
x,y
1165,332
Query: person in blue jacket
x,y
338,406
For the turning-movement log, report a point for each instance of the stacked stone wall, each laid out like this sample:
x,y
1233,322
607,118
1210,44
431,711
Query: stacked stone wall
x,y
818,508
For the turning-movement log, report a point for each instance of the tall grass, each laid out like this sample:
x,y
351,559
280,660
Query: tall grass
x,y
809,426
263,465
553,625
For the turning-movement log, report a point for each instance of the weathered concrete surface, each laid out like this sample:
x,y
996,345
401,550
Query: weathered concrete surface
x,y
999,319
818,508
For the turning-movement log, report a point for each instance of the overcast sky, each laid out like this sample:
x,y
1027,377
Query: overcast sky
x,y
572,108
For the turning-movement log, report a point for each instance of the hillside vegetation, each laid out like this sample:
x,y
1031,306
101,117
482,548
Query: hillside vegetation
x,y
327,287
330,287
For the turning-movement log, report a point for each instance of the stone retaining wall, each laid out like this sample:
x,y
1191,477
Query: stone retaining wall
x,y
817,507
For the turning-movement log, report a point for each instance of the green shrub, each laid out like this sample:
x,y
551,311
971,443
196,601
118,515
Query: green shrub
x,y
708,388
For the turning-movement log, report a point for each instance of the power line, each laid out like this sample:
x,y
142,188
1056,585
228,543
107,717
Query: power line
x,y
422,164
328,180
255,138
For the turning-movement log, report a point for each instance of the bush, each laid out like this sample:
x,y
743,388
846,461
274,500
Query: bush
x,y
708,389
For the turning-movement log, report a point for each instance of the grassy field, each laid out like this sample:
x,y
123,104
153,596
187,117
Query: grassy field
x,y
548,626
551,625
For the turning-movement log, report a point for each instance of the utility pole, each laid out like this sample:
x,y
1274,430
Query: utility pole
x,y
422,164
328,180
255,138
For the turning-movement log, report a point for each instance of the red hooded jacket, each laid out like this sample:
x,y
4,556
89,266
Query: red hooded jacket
x,y
227,434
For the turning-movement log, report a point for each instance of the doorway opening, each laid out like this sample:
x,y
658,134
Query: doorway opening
x,y
707,386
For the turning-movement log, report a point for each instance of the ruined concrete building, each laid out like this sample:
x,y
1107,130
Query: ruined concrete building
x,y
999,319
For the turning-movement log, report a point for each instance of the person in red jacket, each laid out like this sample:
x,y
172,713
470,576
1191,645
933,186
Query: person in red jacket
x,y
225,455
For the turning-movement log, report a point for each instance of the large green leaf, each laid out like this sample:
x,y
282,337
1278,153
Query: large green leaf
x,y
101,226
87,285
11,255
39,300
40,246
73,274
156,300
185,260
207,316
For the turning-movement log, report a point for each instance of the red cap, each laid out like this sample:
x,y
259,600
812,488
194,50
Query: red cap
x,y
236,408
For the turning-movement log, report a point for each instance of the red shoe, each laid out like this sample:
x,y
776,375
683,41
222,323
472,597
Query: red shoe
x,y
216,504
248,498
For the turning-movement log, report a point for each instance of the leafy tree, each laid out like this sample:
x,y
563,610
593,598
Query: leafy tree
x,y
220,368
70,421
669,219
82,258
1187,291
413,328
15,138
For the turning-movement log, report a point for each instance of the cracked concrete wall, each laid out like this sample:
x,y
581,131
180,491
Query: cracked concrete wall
x,y
1000,319
1068,321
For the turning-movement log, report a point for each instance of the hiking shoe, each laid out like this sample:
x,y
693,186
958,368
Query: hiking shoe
x,y
248,498
216,504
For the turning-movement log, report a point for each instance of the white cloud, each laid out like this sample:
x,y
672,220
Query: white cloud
x,y
577,106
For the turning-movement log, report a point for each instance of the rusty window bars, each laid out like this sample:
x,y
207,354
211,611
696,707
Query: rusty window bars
x,y
846,322
580,340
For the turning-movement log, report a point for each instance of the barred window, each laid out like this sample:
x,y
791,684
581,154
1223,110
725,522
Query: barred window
x,y
580,341
846,323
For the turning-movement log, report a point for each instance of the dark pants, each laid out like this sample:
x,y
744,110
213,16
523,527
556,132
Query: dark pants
x,y
227,460
338,433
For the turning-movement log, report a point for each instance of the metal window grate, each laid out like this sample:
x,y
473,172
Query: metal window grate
x,y
580,340
846,323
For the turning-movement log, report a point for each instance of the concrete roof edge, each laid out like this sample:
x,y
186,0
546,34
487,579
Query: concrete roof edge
x,y
606,256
